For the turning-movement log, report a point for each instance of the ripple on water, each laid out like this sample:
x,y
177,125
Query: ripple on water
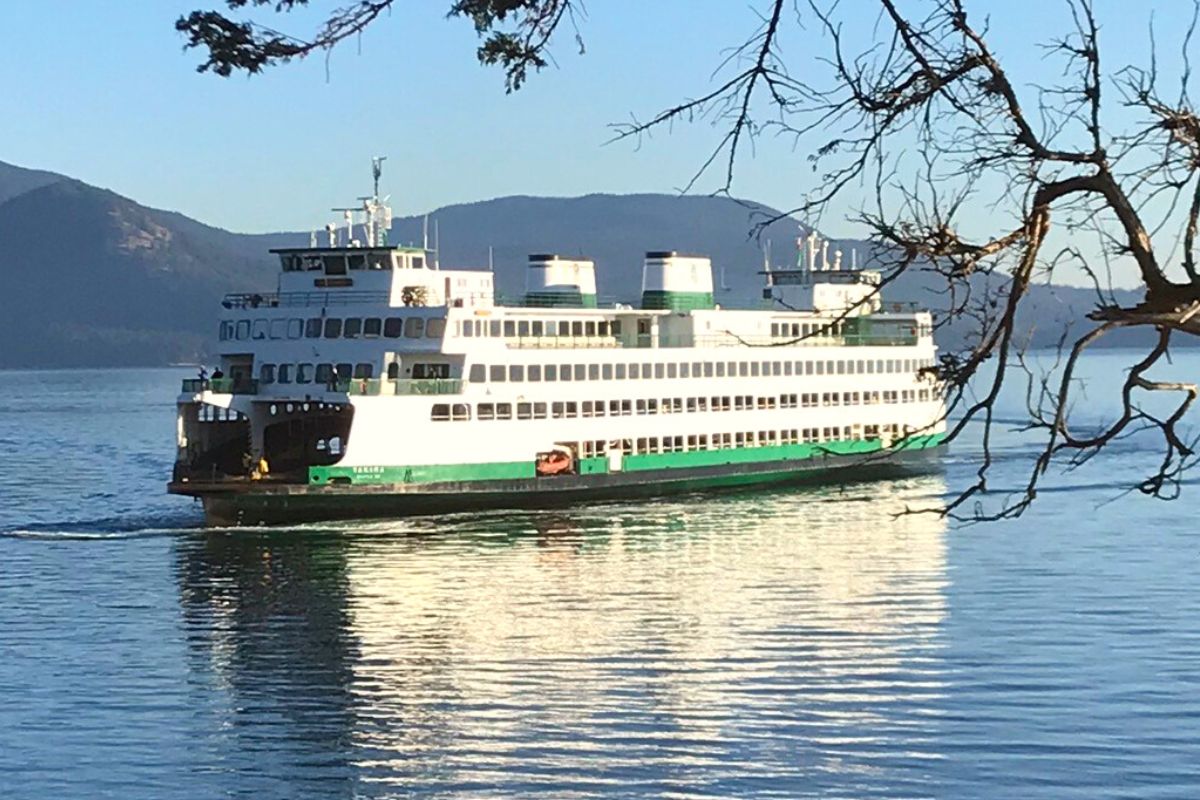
x,y
772,644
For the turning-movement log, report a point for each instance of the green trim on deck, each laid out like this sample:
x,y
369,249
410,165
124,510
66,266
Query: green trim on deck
x,y
658,299
787,454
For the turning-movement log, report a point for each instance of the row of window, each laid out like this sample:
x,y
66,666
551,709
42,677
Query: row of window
x,y
406,327
799,330
418,327
723,441
548,328
334,328
517,373
570,409
339,264
313,373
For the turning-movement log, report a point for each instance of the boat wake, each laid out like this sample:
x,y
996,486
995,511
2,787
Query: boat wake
x,y
123,527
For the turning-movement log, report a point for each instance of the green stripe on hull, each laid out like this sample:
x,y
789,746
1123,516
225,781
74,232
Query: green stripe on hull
x,y
515,470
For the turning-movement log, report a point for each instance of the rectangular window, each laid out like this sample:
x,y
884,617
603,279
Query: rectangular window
x,y
478,373
593,372
304,373
440,412
523,328
606,372
516,373
558,410
533,372
352,328
551,372
285,373
497,373
565,372
266,373
672,370
524,410
324,373
364,371
333,328
414,327
503,410
435,328
620,372
393,327
579,372
485,411
539,410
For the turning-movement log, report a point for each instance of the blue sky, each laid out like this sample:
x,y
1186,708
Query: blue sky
x,y
104,92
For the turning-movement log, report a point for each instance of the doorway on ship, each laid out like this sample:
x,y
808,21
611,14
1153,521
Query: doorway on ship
x,y
306,437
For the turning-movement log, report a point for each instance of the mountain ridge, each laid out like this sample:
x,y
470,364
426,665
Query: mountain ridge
x,y
94,278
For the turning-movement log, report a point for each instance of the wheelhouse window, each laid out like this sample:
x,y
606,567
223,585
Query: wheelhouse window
x,y
393,327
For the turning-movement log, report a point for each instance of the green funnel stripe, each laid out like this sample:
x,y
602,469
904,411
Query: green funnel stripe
x,y
659,299
567,298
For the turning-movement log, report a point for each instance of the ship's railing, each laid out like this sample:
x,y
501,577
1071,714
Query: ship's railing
x,y
220,386
733,340
711,340
298,299
385,386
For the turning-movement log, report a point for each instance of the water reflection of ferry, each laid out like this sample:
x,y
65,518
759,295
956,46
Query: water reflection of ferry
x,y
776,630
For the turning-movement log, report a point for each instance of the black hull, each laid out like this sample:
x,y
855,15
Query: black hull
x,y
267,503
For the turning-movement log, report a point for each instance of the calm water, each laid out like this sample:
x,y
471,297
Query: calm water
x,y
781,644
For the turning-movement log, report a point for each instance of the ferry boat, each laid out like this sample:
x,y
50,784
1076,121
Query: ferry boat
x,y
373,383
